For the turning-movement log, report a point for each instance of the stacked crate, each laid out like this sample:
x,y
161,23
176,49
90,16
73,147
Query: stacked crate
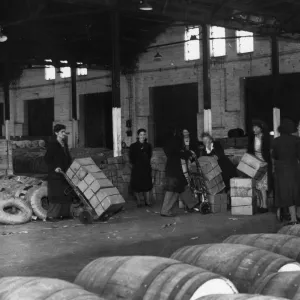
x,y
6,166
243,198
95,186
213,181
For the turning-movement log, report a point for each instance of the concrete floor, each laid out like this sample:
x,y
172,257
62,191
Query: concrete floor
x,y
61,250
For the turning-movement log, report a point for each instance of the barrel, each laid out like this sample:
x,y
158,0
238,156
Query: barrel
x,y
290,230
286,245
37,288
244,265
285,284
239,297
149,277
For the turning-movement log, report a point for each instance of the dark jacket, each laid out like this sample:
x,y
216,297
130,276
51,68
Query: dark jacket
x,y
57,157
227,167
175,179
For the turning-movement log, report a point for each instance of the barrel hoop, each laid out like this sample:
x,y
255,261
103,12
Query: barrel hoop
x,y
139,294
110,275
183,281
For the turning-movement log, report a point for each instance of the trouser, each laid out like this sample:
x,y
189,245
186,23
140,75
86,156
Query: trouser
x,y
171,198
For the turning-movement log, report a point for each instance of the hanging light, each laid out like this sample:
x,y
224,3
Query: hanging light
x,y
158,56
144,5
3,37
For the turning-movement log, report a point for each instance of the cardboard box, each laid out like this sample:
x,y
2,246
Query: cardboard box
x,y
252,166
218,203
242,187
215,185
209,166
243,205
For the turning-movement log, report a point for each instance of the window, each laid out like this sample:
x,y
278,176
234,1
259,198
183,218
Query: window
x,y
49,71
244,42
192,46
217,42
65,71
81,71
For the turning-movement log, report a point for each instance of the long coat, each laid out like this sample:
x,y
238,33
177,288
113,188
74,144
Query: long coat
x,y
175,179
286,155
140,158
227,167
57,157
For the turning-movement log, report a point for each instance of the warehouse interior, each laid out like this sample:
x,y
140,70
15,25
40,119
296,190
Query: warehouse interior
x,y
105,69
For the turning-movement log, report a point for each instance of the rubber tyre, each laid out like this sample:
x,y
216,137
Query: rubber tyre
x,y
22,191
30,193
36,202
23,216
86,217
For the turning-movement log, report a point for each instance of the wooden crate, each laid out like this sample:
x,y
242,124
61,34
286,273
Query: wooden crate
x,y
252,166
209,167
218,203
95,186
215,185
243,206
242,187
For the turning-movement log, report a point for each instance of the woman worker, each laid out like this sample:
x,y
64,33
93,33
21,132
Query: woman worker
x,y
286,156
259,146
58,159
140,154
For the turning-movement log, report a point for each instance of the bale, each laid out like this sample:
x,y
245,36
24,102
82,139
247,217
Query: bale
x,y
290,230
239,297
285,284
244,265
14,212
286,245
37,288
148,277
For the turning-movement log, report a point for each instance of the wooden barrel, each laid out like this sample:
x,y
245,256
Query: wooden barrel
x,y
243,265
290,230
286,245
286,284
240,297
149,277
37,288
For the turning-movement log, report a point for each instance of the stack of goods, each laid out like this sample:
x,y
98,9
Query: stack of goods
x,y
213,182
5,158
252,166
243,199
158,164
95,186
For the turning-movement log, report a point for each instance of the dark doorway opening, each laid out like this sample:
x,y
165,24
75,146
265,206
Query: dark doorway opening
x,y
259,98
1,117
96,120
40,114
172,105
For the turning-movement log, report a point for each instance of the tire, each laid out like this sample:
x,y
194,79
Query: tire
x,y
36,202
205,208
86,217
23,215
76,210
30,192
22,191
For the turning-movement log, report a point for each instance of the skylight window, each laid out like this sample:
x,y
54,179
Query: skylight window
x,y
217,42
49,70
244,42
192,46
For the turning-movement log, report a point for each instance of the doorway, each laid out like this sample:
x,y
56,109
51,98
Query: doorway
x,y
40,116
95,127
259,98
172,105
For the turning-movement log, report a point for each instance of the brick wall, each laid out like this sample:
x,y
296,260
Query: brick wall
x,y
227,79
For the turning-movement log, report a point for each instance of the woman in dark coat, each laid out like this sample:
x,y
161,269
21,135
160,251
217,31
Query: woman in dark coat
x,y
140,154
58,159
176,182
215,149
286,156
259,146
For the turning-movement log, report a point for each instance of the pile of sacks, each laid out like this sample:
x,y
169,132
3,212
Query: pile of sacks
x,y
28,144
22,199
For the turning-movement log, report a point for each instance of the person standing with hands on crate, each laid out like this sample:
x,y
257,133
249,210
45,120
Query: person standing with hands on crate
x,y
286,156
140,154
259,146
58,159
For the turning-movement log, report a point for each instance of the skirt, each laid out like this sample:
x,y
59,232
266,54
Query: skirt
x,y
286,184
